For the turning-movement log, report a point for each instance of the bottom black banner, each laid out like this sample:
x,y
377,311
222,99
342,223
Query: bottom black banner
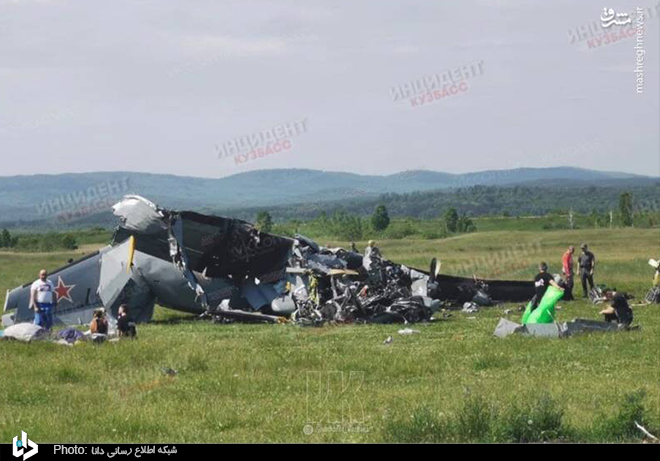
x,y
23,448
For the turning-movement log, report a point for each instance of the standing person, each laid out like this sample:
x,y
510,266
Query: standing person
x,y
372,250
371,256
541,283
43,299
567,269
586,264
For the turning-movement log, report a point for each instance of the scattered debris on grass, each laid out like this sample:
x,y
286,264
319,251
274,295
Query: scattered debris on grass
x,y
167,371
506,327
645,432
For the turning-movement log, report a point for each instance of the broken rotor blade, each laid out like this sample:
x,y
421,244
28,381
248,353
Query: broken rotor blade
x,y
433,270
131,253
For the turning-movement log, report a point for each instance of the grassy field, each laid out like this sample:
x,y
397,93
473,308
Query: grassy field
x,y
453,381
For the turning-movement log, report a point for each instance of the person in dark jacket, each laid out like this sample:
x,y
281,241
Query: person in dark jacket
x,y
125,328
618,311
586,264
541,283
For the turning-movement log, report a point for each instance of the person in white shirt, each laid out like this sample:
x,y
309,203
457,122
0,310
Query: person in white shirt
x,y
43,299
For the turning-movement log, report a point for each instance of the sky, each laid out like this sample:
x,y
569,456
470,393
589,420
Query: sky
x,y
211,88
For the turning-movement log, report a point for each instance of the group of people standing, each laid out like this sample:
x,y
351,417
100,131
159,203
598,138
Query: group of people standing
x,y
586,267
618,311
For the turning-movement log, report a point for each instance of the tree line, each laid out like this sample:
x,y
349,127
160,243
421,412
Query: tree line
x,y
347,226
476,201
51,241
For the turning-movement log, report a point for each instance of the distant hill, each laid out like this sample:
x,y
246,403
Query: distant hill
x,y
85,198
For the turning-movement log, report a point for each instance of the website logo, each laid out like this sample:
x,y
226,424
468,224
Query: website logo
x,y
18,447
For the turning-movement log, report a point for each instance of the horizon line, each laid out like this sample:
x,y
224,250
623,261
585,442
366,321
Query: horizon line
x,y
332,171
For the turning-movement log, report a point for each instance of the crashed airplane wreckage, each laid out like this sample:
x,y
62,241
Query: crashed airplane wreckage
x,y
228,270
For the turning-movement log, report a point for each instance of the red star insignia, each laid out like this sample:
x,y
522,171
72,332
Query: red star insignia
x,y
63,291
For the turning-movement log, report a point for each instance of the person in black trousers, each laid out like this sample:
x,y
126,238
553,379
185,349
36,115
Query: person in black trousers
x,y
587,264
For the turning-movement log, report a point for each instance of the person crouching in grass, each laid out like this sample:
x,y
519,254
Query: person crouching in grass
x,y
618,311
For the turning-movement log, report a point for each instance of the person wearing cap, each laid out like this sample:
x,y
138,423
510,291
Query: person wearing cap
x,y
567,269
586,265
43,299
541,283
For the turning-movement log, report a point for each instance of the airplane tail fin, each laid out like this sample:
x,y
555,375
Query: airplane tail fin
x,y
116,271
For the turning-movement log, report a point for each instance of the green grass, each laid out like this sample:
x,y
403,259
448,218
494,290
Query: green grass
x,y
452,382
